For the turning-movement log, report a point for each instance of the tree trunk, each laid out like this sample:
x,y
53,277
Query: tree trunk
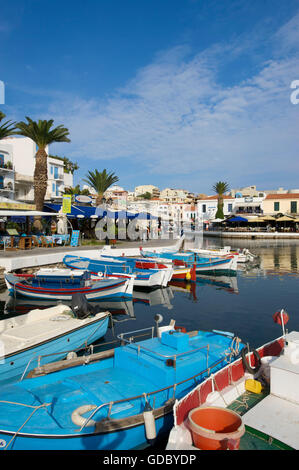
x,y
219,214
99,199
40,183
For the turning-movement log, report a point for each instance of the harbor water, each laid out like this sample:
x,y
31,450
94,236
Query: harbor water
x,y
242,304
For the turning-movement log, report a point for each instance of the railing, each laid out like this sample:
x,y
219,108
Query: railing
x,y
138,347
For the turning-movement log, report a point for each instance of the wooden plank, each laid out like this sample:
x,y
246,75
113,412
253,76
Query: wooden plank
x,y
67,363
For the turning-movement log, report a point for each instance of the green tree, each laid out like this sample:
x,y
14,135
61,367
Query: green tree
x,y
42,133
7,128
68,165
100,182
146,195
220,188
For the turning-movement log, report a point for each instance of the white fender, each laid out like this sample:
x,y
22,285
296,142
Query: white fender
x,y
78,419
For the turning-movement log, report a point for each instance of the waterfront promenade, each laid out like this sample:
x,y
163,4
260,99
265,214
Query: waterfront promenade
x,y
13,260
251,235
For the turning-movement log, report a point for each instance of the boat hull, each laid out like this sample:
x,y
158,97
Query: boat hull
x,y
14,365
120,288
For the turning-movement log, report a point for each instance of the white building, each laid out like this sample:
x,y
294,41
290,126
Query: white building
x,y
246,206
7,180
17,181
146,188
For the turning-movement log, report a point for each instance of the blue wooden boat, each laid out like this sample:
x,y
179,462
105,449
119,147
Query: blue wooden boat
x,y
44,332
147,278
62,284
121,399
212,265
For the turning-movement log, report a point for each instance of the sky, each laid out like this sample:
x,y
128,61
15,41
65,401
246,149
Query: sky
x,y
174,93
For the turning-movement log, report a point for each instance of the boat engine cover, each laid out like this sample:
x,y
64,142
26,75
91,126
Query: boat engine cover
x,y
81,307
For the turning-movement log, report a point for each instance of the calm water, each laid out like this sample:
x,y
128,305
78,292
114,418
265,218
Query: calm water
x,y
243,304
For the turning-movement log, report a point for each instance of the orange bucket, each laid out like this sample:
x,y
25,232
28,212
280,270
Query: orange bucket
x,y
215,428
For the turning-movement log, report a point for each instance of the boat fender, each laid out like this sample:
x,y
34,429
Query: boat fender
x,y
149,423
80,420
251,370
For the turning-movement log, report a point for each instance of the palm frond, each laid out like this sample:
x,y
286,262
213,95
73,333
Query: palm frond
x,y
7,129
40,132
221,187
100,181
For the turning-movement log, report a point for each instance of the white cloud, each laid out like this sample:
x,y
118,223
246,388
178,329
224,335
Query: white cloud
x,y
177,118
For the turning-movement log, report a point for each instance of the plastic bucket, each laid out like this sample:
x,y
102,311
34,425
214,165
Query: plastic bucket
x,y
215,428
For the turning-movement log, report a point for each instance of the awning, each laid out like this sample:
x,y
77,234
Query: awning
x,y
76,211
285,219
114,214
237,219
256,219
9,213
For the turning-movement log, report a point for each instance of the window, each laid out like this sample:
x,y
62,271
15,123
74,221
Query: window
x,y
1,160
294,207
229,207
276,206
204,208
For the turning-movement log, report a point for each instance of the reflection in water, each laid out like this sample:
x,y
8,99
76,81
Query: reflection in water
x,y
275,256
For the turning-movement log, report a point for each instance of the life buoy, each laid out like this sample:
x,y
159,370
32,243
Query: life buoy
x,y
251,370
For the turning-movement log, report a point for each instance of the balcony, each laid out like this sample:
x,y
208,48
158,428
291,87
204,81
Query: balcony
x,y
6,167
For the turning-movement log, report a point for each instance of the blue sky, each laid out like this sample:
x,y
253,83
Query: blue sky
x,y
175,93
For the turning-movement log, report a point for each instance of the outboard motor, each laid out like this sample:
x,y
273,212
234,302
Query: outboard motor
x,y
80,306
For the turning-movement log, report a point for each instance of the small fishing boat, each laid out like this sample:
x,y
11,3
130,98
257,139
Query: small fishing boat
x,y
61,284
243,256
255,397
145,278
220,265
174,269
118,399
140,263
43,332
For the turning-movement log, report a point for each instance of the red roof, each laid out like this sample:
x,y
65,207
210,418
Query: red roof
x,y
216,197
283,196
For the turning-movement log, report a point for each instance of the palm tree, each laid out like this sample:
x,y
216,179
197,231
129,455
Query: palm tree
x,y
100,182
220,188
7,128
42,134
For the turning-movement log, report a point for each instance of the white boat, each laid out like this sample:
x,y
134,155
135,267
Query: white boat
x,y
243,256
260,391
49,331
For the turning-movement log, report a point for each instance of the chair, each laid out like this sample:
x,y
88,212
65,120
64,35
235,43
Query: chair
x,y
35,241
45,242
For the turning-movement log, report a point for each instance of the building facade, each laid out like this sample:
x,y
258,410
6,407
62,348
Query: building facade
x,y
17,163
286,203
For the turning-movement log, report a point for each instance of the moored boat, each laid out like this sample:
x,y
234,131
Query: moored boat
x,y
145,278
62,284
219,265
119,399
243,256
261,388
49,331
